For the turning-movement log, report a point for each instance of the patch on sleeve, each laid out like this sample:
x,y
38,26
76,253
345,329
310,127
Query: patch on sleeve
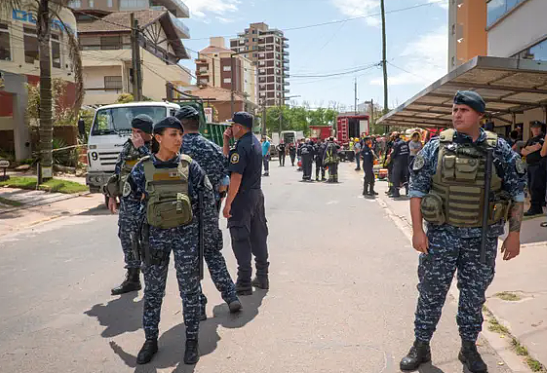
x,y
126,189
419,163
519,166
234,159
207,183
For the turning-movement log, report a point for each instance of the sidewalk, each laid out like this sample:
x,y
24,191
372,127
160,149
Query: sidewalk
x,y
522,281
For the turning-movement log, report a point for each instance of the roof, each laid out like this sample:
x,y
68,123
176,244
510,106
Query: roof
x,y
121,22
142,103
219,94
508,86
212,49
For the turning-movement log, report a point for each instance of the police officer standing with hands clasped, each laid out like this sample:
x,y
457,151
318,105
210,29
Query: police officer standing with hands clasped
x,y
449,184
244,206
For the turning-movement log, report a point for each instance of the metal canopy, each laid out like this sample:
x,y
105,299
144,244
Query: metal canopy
x,y
508,85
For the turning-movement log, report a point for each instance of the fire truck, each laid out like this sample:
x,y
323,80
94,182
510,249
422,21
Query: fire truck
x,y
350,126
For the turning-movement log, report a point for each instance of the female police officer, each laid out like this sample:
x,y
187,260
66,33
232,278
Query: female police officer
x,y
169,187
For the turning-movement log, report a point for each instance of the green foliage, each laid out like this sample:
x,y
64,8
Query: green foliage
x,y
52,185
61,115
298,118
125,98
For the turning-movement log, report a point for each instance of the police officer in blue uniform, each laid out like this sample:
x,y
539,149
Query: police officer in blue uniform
x,y
169,187
211,159
244,206
399,156
368,156
447,189
134,149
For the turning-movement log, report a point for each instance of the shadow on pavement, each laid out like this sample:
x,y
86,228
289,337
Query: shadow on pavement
x,y
429,368
171,343
120,315
95,211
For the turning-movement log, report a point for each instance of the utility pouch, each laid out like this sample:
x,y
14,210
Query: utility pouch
x,y
432,209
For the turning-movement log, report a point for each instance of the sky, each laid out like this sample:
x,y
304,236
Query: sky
x,y
417,43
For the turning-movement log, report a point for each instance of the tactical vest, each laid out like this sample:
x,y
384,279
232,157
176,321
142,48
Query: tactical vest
x,y
168,203
331,156
457,190
130,160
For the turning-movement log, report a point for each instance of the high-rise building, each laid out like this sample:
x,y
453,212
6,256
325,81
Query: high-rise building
x,y
214,69
467,35
268,50
88,10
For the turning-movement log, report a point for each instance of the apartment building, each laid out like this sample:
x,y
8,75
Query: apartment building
x,y
88,10
107,57
467,35
214,69
19,66
268,50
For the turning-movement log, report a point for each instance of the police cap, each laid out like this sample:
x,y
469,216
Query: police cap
x,y
143,122
243,118
187,112
169,122
471,99
536,123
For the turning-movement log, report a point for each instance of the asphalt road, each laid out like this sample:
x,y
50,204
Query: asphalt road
x,y
342,298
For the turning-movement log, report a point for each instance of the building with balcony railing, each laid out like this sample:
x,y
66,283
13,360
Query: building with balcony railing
x,y
269,58
88,10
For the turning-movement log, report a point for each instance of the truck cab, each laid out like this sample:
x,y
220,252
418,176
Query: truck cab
x,y
111,128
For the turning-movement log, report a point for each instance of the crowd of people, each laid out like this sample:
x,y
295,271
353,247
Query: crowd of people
x,y
169,184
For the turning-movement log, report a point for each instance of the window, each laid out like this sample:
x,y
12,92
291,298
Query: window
x,y
5,47
227,80
255,40
537,52
111,42
255,55
109,4
227,68
55,51
112,83
498,8
75,4
133,4
92,3
31,44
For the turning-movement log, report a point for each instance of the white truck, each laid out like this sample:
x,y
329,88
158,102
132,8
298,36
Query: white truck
x,y
110,130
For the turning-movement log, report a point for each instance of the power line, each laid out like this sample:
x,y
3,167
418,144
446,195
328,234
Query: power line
x,y
408,72
336,74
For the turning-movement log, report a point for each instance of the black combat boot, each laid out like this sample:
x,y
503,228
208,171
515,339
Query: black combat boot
x,y
147,352
132,282
395,193
372,192
235,306
191,354
470,357
419,353
261,282
534,211
244,288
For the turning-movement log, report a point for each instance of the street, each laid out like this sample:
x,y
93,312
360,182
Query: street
x,y
342,298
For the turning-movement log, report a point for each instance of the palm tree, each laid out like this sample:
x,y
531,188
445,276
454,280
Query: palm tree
x,y
46,11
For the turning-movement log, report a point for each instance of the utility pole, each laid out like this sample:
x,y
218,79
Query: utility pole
x,y
134,60
384,58
355,96
280,120
138,58
264,121
232,93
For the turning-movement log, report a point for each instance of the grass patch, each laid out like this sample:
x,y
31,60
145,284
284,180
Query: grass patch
x,y
496,327
519,349
508,296
10,202
52,185
534,365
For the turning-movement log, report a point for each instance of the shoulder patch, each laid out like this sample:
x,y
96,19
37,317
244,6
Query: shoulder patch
x,y
186,158
519,166
126,189
419,163
234,159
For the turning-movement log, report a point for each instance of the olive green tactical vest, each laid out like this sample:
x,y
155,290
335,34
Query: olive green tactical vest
x,y
457,190
168,203
127,165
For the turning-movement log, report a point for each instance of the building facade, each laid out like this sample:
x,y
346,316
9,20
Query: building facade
x,y
88,10
268,50
467,35
19,65
107,56
214,69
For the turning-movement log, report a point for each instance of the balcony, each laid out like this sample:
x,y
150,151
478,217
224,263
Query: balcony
x,y
182,30
286,83
286,68
176,7
286,61
285,53
285,45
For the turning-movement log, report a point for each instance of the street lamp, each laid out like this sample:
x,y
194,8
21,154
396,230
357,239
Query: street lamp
x,y
232,97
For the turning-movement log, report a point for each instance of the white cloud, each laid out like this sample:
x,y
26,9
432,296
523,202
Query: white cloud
x,y
359,8
224,20
426,61
200,8
442,3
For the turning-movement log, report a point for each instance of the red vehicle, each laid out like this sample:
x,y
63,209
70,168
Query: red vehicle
x,y
320,132
351,126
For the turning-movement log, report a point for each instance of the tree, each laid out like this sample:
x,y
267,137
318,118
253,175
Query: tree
x,y
46,11
297,118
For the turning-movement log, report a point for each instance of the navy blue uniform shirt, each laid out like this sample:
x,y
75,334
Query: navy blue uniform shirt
x,y
400,150
246,159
